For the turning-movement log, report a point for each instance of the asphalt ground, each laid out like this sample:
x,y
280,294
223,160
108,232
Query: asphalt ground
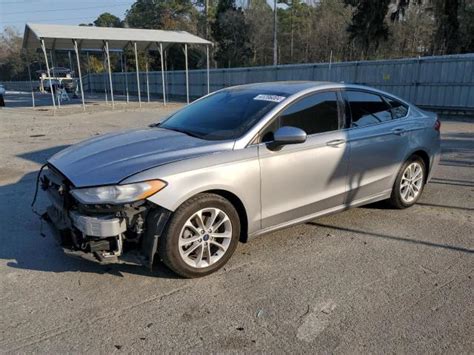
x,y
368,280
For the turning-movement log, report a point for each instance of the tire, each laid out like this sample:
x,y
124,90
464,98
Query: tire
x,y
186,248
403,197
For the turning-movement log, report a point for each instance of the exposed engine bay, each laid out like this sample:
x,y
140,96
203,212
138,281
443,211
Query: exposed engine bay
x,y
106,233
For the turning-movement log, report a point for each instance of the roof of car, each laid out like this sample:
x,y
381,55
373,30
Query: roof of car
x,y
284,87
289,88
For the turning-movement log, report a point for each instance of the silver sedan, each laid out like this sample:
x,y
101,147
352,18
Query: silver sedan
x,y
235,164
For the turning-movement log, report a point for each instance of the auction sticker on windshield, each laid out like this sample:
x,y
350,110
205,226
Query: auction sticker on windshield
x,y
272,98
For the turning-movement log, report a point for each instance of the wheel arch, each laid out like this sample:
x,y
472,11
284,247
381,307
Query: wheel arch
x,y
239,207
425,157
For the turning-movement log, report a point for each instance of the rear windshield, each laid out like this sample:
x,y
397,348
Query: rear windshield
x,y
224,115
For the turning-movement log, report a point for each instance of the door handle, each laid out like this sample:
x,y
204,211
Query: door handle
x,y
398,131
335,142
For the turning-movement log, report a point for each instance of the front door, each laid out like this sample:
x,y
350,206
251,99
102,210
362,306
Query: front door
x,y
302,179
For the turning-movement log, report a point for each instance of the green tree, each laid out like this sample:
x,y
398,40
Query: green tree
x,y
108,20
163,15
368,27
329,24
295,32
178,15
411,27
466,26
446,39
13,61
206,18
231,34
259,17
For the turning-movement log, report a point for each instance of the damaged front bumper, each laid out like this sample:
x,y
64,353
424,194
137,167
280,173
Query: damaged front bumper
x,y
125,233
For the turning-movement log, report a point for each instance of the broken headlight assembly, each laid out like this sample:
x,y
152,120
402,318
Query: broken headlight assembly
x,y
118,194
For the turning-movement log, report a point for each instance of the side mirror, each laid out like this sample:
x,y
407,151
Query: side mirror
x,y
287,135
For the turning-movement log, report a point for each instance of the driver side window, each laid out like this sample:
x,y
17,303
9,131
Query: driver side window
x,y
316,113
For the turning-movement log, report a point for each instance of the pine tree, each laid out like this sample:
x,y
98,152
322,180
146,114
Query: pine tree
x,y
446,39
231,34
368,25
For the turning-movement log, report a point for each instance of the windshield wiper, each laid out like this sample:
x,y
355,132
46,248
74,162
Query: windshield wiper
x,y
183,131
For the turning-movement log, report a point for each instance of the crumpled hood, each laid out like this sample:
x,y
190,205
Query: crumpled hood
x,y
110,158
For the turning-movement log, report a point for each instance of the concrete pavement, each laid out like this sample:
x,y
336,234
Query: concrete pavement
x,y
370,279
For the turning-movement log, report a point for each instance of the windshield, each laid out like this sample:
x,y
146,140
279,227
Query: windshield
x,y
224,115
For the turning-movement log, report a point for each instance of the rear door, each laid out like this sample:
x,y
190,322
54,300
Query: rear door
x,y
378,144
302,179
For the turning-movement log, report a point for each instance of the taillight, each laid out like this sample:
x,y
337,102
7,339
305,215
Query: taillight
x,y
437,125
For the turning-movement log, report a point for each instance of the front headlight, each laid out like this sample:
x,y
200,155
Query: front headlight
x,y
116,194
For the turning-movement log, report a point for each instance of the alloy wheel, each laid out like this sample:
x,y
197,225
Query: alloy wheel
x,y
205,237
411,182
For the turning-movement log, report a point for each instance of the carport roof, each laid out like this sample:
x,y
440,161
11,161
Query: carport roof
x,y
59,37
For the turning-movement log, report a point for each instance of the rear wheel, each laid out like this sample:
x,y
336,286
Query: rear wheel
x,y
201,236
409,184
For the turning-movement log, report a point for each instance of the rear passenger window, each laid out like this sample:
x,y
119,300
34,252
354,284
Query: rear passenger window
x,y
398,109
368,109
313,114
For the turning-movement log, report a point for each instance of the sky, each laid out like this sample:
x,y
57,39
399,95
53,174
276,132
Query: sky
x,y
65,12
17,13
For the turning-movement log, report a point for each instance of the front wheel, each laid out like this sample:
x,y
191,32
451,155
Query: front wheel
x,y
201,236
409,183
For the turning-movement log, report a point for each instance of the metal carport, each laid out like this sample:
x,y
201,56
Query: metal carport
x,y
87,38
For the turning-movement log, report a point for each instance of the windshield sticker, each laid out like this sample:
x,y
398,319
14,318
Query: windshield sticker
x,y
272,98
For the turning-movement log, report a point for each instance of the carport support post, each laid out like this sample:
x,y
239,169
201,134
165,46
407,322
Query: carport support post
x,y
110,73
31,84
53,60
166,72
124,66
207,67
104,76
76,49
330,64
53,68
187,74
163,73
70,60
138,74
89,73
43,47
147,80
